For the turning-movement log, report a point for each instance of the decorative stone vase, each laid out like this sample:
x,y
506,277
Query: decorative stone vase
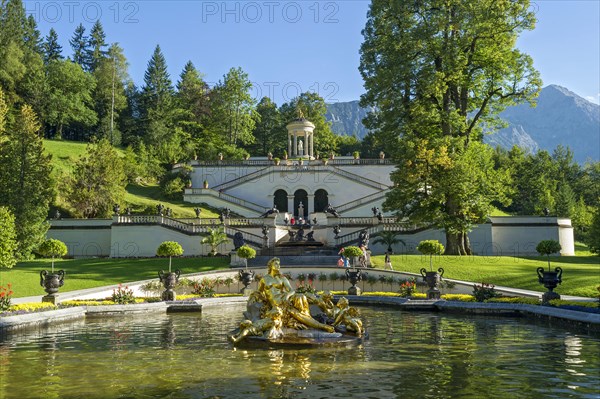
x,y
433,280
170,281
354,276
550,279
246,278
51,283
205,184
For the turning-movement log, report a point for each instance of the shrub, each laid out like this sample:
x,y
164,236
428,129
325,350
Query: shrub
x,y
152,287
563,302
303,288
170,249
484,292
548,247
351,251
378,293
246,252
516,299
8,239
407,288
33,307
205,288
430,247
173,188
122,295
85,302
459,297
5,294
52,248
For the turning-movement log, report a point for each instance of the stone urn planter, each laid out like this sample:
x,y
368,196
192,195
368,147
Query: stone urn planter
x,y
354,276
433,280
246,277
550,280
170,281
51,283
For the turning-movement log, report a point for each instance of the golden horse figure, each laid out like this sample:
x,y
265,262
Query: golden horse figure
x,y
275,312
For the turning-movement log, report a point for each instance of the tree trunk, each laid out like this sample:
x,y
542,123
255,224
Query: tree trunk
x,y
454,245
467,244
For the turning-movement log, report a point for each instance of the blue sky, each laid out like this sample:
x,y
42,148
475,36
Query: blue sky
x,y
288,47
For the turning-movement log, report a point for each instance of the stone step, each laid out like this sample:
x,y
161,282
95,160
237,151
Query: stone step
x,y
290,260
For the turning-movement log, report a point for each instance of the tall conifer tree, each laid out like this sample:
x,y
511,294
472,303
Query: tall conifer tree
x,y
26,187
79,45
52,50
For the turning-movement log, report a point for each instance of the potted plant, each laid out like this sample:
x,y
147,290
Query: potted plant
x,y
215,238
285,155
381,155
205,184
170,249
352,252
246,276
220,156
51,282
550,279
431,247
356,155
277,161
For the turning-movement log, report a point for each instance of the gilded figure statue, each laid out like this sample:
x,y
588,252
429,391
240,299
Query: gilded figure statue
x,y
275,311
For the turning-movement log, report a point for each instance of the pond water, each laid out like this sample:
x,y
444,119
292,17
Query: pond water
x,y
412,355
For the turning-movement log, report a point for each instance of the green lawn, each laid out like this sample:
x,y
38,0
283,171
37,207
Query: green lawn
x,y
89,273
140,197
66,153
581,274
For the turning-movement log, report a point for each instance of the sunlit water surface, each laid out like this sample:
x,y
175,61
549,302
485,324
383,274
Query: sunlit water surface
x,y
409,355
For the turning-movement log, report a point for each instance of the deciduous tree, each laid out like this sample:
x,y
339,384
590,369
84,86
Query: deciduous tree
x,y
69,97
98,181
438,72
233,108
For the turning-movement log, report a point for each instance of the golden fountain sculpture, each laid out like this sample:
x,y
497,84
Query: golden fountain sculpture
x,y
277,314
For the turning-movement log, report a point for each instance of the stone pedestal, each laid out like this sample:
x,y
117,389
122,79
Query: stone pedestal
x,y
236,261
53,299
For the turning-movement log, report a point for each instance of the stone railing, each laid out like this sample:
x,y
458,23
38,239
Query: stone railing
x,y
163,221
248,237
358,178
361,201
226,197
242,179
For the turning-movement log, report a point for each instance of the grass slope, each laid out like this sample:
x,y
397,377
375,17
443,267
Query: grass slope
x,y
139,197
581,274
89,273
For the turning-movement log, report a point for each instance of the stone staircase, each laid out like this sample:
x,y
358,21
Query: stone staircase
x,y
314,260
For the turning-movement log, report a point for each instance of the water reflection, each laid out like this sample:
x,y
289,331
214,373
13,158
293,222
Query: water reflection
x,y
407,355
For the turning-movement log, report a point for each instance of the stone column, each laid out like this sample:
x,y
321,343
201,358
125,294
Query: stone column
x,y
289,145
295,152
312,145
291,205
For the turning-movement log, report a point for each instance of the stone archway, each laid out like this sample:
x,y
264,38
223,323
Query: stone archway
x,y
280,200
321,200
301,196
